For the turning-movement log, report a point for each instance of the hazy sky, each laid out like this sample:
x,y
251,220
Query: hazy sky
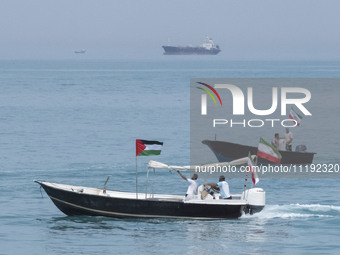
x,y
118,29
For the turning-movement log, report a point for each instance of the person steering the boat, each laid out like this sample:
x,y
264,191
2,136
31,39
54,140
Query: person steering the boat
x,y
192,189
222,186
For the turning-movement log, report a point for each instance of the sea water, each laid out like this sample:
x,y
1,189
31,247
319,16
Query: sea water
x,y
76,121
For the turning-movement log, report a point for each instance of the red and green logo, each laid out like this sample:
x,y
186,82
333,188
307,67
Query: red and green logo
x,y
209,93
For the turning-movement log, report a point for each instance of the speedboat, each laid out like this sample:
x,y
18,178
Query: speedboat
x,y
79,200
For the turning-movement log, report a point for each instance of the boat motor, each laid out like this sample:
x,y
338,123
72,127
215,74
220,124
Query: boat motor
x,y
256,200
301,148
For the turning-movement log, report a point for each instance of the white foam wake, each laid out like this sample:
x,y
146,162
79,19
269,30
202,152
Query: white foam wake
x,y
318,207
297,211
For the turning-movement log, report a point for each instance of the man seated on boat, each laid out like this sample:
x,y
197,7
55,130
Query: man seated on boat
x,y
289,139
222,186
192,189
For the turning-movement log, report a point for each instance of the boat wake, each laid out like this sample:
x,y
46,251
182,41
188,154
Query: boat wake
x,y
297,211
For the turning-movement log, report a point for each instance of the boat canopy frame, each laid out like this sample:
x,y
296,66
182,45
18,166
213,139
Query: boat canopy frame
x,y
158,165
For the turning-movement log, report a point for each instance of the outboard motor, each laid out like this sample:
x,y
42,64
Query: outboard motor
x,y
256,200
300,148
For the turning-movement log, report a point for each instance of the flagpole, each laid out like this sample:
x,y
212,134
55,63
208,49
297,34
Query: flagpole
x,y
255,169
136,179
245,185
146,148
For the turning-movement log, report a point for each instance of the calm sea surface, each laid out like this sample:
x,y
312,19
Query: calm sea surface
x,y
75,122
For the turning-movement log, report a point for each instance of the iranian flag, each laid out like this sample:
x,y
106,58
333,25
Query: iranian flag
x,y
148,148
267,151
294,116
251,168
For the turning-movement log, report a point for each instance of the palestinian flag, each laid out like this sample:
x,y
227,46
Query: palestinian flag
x,y
148,148
294,116
267,151
250,168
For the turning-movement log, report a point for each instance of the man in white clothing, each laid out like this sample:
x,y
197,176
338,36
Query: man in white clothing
x,y
192,189
222,186
276,141
288,139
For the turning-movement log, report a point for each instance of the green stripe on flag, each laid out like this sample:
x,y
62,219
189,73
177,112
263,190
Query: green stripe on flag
x,y
251,159
271,146
150,152
296,113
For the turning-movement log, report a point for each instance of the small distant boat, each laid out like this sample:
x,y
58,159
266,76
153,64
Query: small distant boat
x,y
207,48
226,151
78,200
80,51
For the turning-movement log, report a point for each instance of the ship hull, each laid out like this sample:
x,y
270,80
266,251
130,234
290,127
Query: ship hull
x,y
73,202
172,50
226,151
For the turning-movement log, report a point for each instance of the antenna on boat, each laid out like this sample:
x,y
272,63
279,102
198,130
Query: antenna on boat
x,y
107,179
245,185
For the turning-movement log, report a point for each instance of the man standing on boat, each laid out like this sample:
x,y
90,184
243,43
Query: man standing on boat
x,y
276,141
192,189
289,139
222,186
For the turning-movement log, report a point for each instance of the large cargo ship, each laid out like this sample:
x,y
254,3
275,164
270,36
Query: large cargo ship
x,y
207,48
